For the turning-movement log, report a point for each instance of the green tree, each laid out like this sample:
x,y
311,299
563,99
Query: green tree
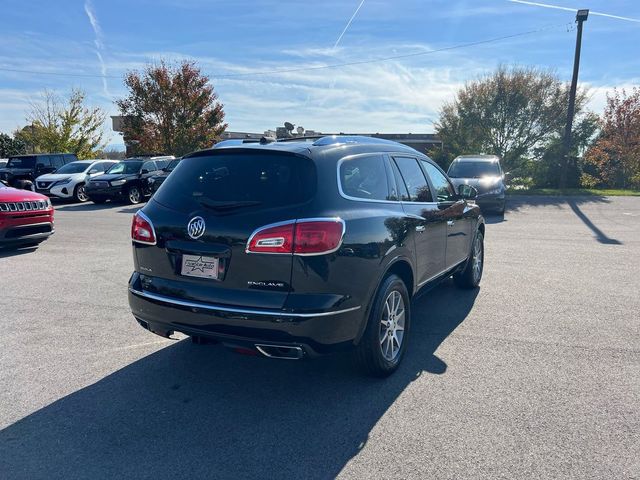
x,y
514,113
64,125
11,146
170,109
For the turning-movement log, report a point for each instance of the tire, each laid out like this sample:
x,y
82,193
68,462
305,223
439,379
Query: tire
x,y
79,194
98,200
134,195
472,274
376,354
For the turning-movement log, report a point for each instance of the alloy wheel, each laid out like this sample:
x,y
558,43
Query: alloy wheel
x,y
477,259
134,195
82,194
392,326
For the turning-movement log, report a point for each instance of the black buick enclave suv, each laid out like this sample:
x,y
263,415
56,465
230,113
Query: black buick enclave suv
x,y
299,248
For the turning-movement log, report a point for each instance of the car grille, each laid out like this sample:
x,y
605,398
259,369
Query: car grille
x,y
44,185
100,184
24,206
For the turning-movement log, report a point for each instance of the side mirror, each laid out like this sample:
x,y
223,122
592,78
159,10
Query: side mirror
x,y
467,192
144,171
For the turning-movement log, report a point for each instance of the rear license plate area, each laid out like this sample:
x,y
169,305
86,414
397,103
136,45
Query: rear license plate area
x,y
199,266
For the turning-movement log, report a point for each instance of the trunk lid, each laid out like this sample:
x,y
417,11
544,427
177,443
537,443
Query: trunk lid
x,y
232,192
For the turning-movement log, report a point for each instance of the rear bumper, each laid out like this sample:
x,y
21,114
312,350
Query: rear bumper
x,y
316,333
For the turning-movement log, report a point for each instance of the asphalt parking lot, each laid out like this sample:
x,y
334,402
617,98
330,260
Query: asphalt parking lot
x,y
535,375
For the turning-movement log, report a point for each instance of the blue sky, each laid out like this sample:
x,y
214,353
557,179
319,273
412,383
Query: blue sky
x,y
104,39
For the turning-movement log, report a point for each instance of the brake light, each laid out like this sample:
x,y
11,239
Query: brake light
x,y
318,236
142,230
274,239
298,237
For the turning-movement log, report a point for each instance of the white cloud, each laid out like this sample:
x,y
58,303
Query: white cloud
x,y
88,8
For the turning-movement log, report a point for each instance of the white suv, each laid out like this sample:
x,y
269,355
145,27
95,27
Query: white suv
x,y
69,180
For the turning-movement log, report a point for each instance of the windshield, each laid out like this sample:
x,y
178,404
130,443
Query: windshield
x,y
126,167
73,167
172,165
239,180
466,169
21,162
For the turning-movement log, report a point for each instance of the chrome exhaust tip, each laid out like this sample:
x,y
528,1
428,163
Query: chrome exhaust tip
x,y
285,352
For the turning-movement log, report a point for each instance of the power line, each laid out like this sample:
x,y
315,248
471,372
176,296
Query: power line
x,y
318,67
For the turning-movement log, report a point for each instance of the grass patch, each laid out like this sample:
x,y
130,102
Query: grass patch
x,y
602,192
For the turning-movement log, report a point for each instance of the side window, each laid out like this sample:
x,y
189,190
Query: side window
x,y
414,179
69,158
443,189
43,161
364,177
149,166
57,161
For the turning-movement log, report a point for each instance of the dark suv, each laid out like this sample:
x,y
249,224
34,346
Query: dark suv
x,y
126,180
21,170
299,248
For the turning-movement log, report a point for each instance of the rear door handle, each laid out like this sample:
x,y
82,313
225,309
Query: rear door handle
x,y
451,223
420,228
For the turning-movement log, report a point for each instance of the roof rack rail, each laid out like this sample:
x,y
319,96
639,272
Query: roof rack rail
x,y
338,139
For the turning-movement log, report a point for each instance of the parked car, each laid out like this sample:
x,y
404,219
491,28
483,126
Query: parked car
x,y
126,180
21,170
156,180
299,248
69,180
26,218
484,173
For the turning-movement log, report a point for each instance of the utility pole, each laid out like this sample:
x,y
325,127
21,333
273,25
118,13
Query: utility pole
x,y
581,17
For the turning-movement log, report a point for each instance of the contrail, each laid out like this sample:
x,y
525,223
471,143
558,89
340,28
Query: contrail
x,y
88,8
348,24
591,12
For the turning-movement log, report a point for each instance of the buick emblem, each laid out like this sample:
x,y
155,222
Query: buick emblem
x,y
195,227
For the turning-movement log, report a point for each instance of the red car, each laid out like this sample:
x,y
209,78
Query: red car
x,y
26,218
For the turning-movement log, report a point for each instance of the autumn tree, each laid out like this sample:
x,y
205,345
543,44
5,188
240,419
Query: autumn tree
x,y
170,109
615,155
64,125
513,113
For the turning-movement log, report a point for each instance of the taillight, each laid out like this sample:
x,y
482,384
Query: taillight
x,y
272,239
142,229
298,237
313,237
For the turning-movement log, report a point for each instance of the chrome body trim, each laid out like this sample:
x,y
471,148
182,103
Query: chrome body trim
x,y
249,311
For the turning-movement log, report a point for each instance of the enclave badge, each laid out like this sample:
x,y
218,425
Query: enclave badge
x,y
196,227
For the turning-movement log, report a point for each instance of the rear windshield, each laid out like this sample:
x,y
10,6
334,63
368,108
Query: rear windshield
x,y
237,180
462,169
21,162
126,167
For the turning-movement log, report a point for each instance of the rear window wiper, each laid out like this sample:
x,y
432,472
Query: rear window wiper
x,y
227,205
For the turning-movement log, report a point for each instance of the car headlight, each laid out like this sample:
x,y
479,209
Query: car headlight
x,y
117,183
64,181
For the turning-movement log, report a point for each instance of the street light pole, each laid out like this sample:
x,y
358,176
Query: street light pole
x,y
581,17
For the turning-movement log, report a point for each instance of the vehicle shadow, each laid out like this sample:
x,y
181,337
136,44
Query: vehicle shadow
x,y
517,202
6,252
204,412
92,207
